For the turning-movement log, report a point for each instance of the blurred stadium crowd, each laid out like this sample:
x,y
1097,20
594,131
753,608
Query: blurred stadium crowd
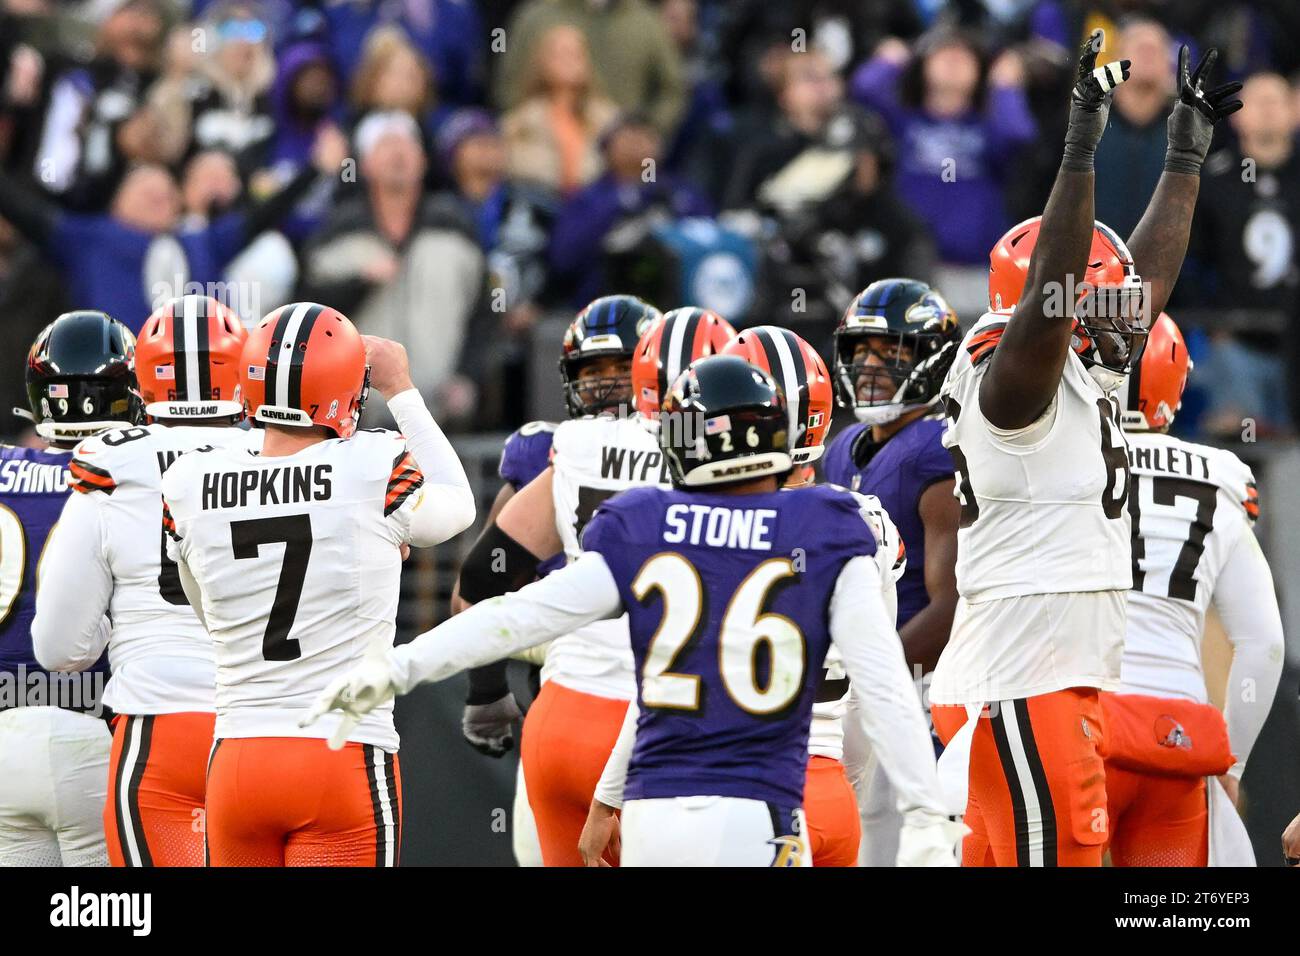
x,y
448,172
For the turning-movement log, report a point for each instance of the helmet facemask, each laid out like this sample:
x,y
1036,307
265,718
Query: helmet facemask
x,y
1110,330
880,392
596,394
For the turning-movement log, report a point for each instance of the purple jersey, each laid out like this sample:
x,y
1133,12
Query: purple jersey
x,y
526,455
897,472
33,488
727,599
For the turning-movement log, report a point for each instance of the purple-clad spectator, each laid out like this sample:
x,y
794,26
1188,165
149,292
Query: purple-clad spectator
x,y
959,123
307,95
630,187
448,33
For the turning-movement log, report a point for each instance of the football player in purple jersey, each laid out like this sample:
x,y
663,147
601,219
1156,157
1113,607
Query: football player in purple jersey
x,y
734,591
54,742
893,347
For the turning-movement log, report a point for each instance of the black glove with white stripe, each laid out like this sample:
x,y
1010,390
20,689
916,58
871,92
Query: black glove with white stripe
x,y
1090,103
1191,124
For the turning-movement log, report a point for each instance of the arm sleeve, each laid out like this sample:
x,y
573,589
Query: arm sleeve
x,y
451,509
575,595
609,789
890,709
1247,605
70,630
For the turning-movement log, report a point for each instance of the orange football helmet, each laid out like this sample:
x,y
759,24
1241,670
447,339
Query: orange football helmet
x,y
304,364
1109,262
802,376
1154,390
1110,287
669,344
187,360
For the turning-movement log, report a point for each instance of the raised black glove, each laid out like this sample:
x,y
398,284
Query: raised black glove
x,y
1090,103
1191,124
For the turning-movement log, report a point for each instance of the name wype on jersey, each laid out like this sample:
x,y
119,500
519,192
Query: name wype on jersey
x,y
625,464
269,486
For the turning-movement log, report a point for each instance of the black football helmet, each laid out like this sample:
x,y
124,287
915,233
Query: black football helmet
x,y
902,313
81,377
609,326
724,420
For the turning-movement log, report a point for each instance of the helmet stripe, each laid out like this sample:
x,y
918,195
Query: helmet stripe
x,y
782,366
202,352
300,336
272,387
182,335
801,382
189,355
672,364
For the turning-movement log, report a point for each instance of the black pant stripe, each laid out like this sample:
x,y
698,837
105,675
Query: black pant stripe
x,y
394,805
212,755
1012,777
144,726
1046,809
376,808
119,806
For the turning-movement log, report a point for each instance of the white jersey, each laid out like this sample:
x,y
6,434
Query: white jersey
x,y
161,656
1190,506
1042,513
594,459
826,732
298,561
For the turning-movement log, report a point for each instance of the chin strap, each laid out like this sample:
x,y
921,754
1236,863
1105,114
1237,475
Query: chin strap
x,y
884,414
1107,378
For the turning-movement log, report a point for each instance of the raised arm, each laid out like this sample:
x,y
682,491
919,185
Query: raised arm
x,y
559,603
890,715
1027,365
1159,242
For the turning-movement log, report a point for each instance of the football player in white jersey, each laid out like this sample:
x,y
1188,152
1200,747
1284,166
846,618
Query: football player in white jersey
x,y
587,679
291,557
1043,545
1193,545
721,744
829,802
108,557
54,743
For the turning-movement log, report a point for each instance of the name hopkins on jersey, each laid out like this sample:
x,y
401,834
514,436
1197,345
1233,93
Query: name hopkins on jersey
x,y
272,486
1174,461
623,464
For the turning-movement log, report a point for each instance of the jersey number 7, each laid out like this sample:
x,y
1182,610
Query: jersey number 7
x,y
294,532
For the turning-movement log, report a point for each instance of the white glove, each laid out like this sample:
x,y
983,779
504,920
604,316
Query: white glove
x,y
929,838
356,695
